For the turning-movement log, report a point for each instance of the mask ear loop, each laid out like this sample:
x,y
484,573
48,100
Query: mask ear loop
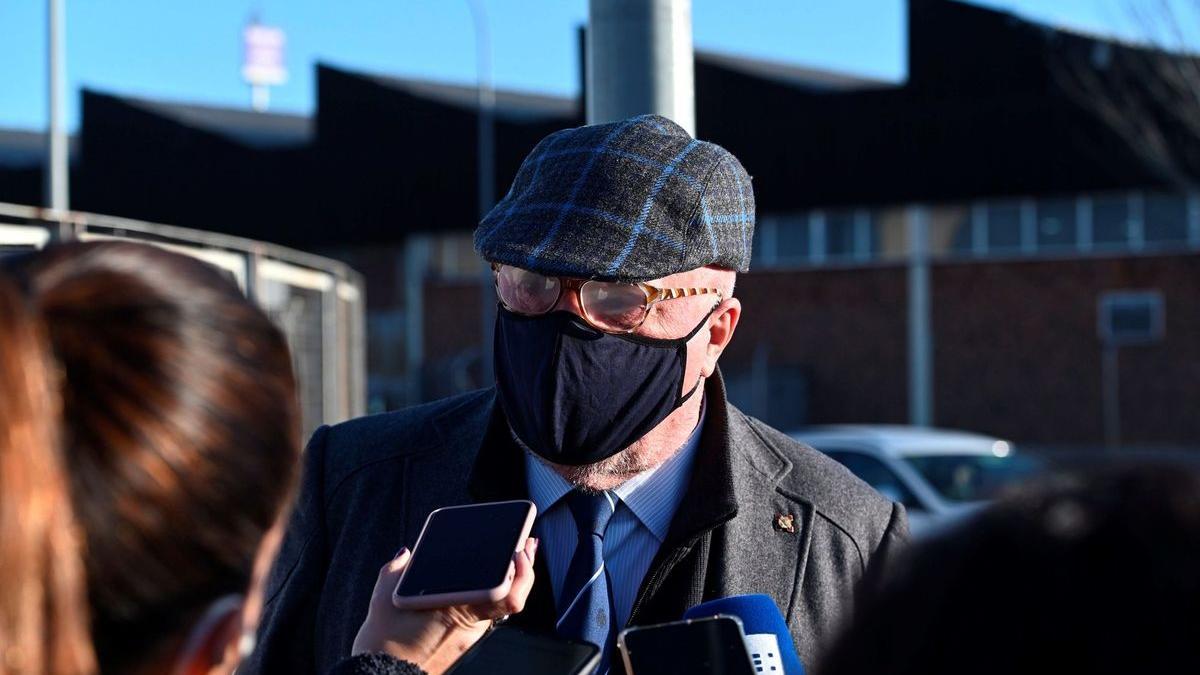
x,y
683,347
684,399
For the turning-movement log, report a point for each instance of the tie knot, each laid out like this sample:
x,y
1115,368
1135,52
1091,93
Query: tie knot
x,y
592,511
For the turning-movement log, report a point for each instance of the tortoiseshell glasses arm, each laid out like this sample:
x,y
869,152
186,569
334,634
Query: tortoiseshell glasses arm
x,y
657,295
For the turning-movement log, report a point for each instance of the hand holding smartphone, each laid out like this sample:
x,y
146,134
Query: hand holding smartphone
x,y
463,555
434,639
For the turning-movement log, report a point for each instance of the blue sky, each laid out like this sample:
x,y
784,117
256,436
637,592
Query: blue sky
x,y
190,50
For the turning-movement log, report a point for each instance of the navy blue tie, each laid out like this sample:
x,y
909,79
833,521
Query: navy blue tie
x,y
585,609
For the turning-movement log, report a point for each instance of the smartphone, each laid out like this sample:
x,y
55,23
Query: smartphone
x,y
714,645
512,651
463,555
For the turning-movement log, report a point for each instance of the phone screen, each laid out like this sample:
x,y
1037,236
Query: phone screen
x,y
710,645
511,651
465,549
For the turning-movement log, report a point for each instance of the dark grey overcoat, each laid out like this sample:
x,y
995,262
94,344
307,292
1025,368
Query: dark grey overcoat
x,y
763,514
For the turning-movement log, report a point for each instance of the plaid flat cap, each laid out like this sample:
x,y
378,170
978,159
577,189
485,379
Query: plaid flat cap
x,y
626,201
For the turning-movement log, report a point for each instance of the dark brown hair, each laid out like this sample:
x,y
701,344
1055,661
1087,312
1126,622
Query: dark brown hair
x,y
43,605
180,428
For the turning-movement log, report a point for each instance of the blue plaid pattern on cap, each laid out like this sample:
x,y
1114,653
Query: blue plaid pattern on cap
x,y
626,201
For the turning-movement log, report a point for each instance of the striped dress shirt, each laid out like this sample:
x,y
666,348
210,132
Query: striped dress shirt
x,y
646,505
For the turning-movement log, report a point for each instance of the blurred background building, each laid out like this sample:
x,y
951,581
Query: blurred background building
x,y
1038,183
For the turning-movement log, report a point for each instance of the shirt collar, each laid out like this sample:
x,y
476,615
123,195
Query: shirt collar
x,y
652,496
546,487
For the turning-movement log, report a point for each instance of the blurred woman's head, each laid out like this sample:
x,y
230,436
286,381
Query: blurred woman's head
x,y
180,431
43,610
1091,573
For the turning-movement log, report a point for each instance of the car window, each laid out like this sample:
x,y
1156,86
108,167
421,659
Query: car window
x,y
972,478
877,474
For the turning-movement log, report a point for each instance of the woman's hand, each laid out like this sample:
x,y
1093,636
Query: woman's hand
x,y
434,638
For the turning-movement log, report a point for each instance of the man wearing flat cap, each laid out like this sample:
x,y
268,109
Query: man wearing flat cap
x,y
614,255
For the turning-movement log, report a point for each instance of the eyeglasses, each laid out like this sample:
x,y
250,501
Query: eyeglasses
x,y
610,306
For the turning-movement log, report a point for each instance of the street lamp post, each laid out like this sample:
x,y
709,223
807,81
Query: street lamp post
x,y
639,60
486,174
920,322
57,166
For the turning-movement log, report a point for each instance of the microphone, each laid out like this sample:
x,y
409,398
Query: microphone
x,y
767,637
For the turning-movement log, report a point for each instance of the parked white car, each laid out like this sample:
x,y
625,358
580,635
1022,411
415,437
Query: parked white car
x,y
939,475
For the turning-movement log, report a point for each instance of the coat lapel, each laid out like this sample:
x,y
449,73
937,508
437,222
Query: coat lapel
x,y
498,474
765,549
734,532
460,431
675,579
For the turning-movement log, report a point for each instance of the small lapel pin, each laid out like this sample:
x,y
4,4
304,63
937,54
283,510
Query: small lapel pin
x,y
785,522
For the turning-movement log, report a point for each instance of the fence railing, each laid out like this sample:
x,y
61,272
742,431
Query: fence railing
x,y
319,303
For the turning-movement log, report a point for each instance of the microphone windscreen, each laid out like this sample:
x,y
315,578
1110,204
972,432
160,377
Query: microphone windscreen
x,y
760,618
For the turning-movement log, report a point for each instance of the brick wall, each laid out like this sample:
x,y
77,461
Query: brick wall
x,y
1017,353
845,328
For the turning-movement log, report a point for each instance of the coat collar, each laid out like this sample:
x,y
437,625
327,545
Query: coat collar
x,y
732,468
773,528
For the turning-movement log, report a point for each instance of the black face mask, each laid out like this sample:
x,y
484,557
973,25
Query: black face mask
x,y
575,395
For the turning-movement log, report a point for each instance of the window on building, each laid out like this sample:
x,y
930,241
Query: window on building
x,y
1131,317
757,247
453,257
840,234
1166,219
1003,226
1056,223
792,239
889,233
1111,219
950,229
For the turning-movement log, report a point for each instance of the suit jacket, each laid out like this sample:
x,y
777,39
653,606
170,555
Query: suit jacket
x,y
762,514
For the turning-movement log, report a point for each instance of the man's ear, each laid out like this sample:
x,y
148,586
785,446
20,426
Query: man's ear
x,y
720,332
